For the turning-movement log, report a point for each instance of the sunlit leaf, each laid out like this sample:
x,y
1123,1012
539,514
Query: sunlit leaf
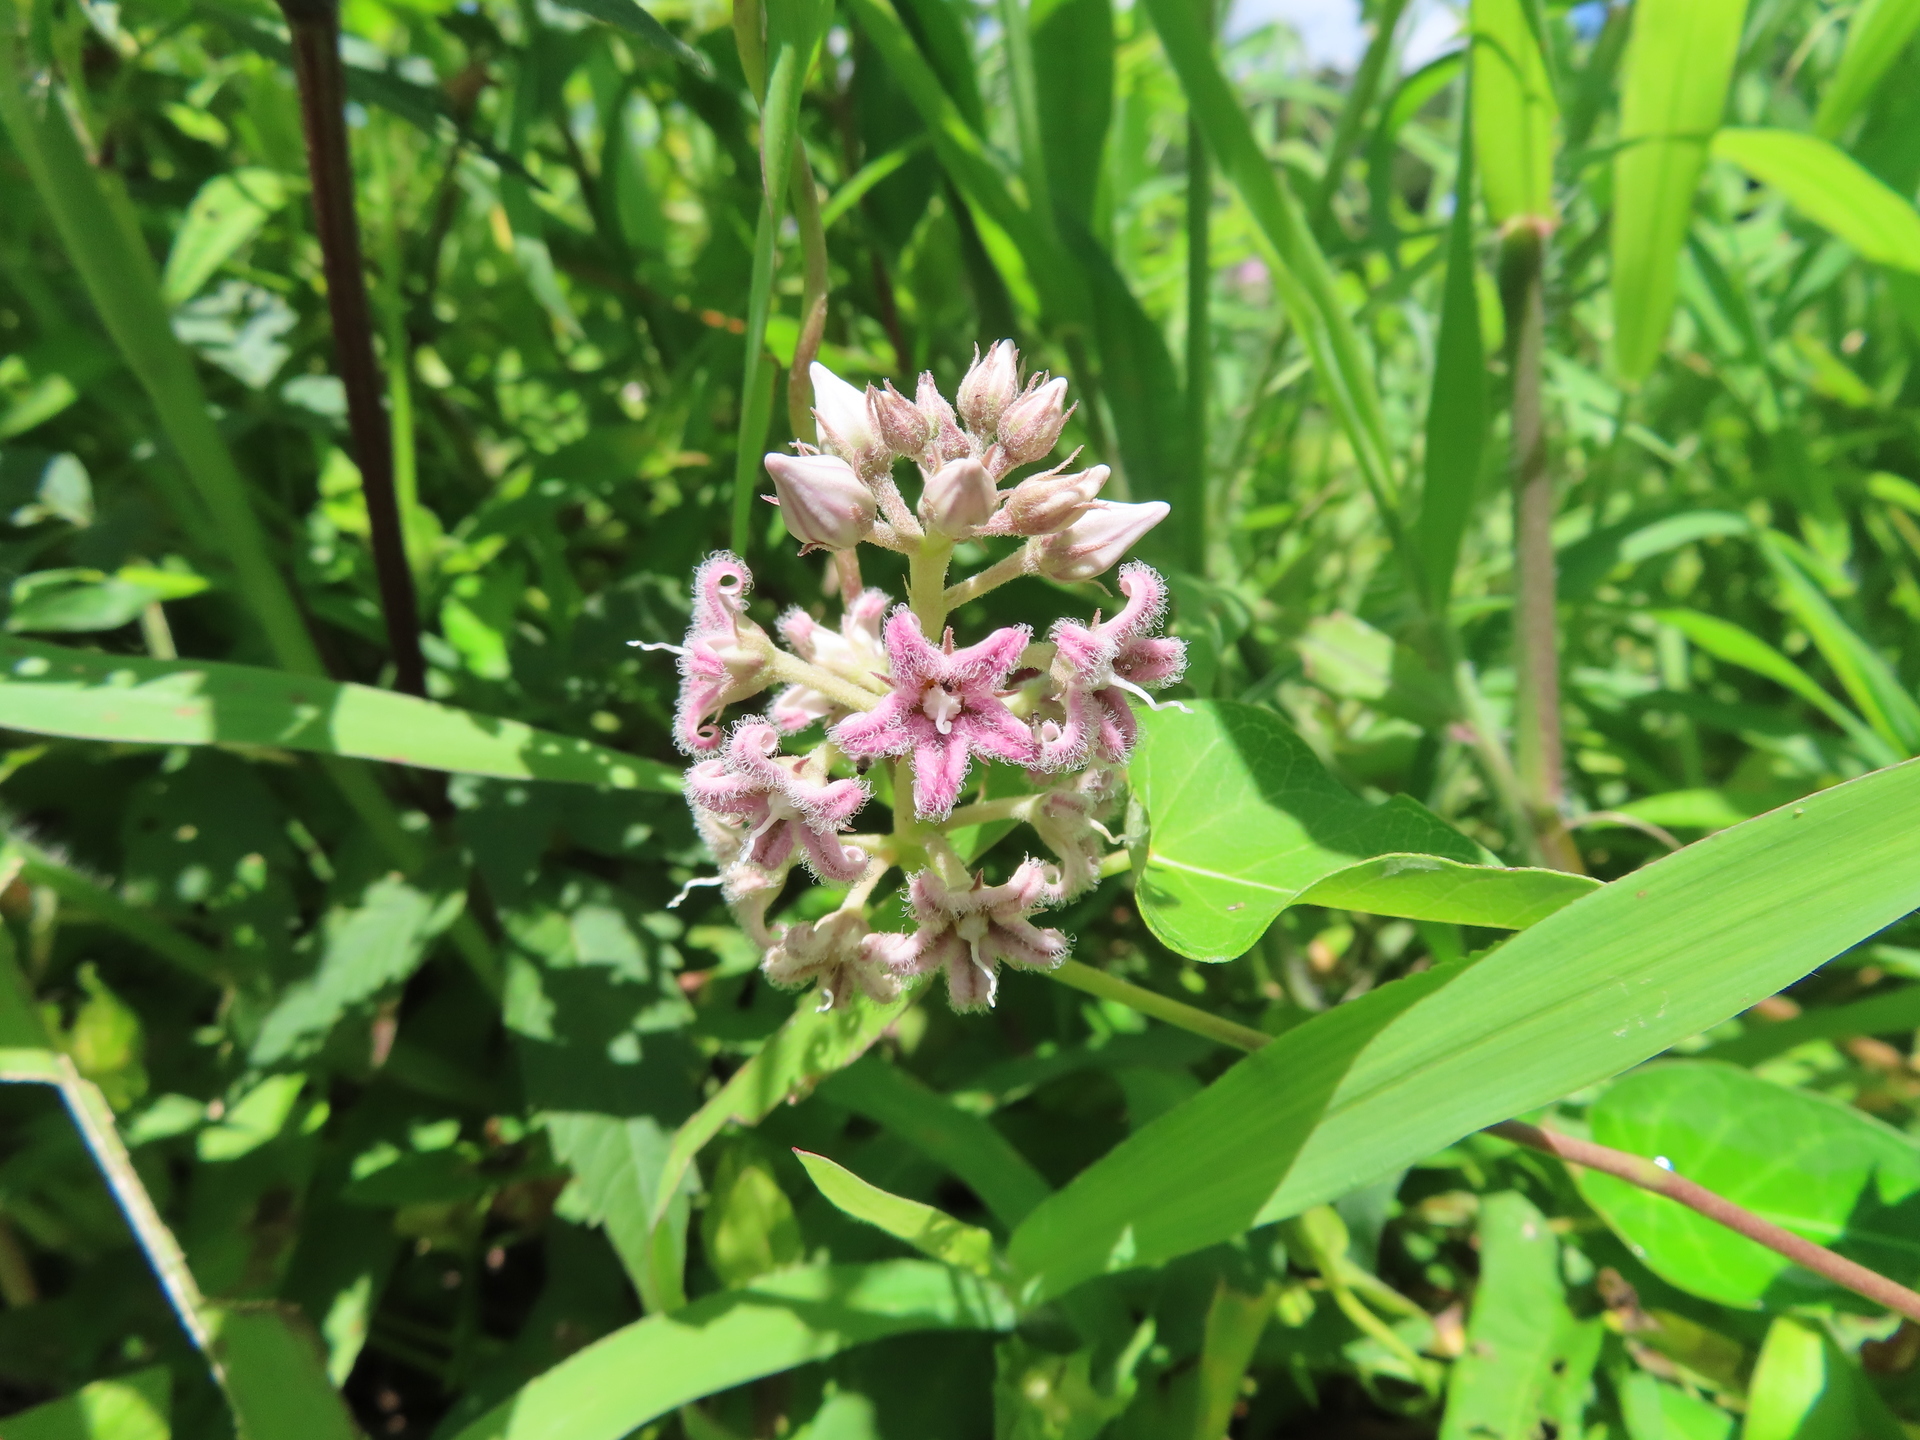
x,y
1830,188
931,1231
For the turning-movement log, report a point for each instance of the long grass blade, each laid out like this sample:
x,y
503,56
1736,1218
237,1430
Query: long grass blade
x,y
1830,188
1876,35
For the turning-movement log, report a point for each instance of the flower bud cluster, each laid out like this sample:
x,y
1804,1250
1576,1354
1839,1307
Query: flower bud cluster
x,y
894,706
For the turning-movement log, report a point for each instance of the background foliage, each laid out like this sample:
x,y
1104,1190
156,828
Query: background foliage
x,y
429,1087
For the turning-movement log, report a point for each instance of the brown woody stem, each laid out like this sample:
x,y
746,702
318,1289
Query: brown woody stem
x,y
315,26
1648,1176
1633,1169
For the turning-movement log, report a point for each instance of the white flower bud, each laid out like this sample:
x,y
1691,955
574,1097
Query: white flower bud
x,y
846,423
989,387
824,503
1046,504
959,497
902,426
1096,541
1031,424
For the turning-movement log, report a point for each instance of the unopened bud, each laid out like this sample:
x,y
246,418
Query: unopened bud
x,y
1047,504
989,387
1096,541
902,426
949,440
960,497
824,503
1030,425
846,424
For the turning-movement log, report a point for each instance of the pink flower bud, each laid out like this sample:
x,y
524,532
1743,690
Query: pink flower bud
x,y
905,430
1031,424
989,387
958,498
1047,504
1096,541
846,423
825,504
949,440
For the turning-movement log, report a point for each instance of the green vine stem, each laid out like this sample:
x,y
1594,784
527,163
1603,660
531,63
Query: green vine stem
x,y
1634,1169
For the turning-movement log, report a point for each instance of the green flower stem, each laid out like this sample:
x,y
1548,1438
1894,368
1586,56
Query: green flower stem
x,y
927,584
991,578
987,812
1160,1007
795,671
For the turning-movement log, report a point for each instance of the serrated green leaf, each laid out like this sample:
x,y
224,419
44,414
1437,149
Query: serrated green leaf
x,y
1818,1168
1678,65
652,1366
1830,188
49,690
931,1231
1609,981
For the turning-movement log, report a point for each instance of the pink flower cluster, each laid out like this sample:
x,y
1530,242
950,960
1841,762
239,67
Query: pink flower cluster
x,y
898,700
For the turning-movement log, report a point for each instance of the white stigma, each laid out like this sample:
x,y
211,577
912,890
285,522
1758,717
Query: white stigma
x,y
941,708
1151,703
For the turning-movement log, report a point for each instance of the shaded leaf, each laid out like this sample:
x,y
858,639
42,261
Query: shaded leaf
x,y
227,213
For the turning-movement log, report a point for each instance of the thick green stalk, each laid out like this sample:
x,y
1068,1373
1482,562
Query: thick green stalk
x,y
1536,634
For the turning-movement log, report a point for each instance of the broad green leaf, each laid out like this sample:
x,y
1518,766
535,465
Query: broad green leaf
x,y
126,1407
748,1226
1457,404
1805,1387
48,690
1830,188
1245,822
931,1231
1679,62
652,1366
617,1161
1817,1167
364,947
1870,682
227,213
1895,1013
1515,119
1528,1359
1727,641
1301,277
810,1046
976,1153
1611,980
1877,34
1073,82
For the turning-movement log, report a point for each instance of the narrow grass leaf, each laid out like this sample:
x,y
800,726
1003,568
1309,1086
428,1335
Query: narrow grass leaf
x,y
1515,119
933,1232
1877,34
48,690
1808,1163
1679,63
1830,188
1605,983
626,16
653,1366
1895,1013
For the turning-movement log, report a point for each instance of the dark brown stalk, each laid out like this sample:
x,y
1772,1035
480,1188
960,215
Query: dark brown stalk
x,y
322,83
1649,1176
1536,638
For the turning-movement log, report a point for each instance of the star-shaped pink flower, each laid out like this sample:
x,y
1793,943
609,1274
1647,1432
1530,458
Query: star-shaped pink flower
x,y
1096,665
943,711
969,932
724,657
780,803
